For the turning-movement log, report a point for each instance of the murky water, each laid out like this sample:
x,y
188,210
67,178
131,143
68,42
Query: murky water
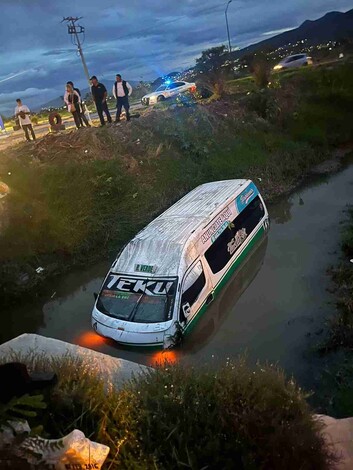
x,y
272,309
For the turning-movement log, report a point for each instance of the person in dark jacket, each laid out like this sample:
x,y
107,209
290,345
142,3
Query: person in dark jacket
x,y
73,104
99,93
121,91
81,112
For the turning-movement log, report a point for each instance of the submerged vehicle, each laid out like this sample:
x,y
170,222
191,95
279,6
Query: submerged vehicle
x,y
170,272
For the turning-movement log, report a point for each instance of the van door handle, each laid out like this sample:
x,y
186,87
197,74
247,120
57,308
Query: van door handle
x,y
210,299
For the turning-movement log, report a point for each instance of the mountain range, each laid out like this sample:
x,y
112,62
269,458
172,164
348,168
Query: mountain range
x,y
333,26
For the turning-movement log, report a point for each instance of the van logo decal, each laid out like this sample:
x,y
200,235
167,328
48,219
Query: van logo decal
x,y
246,197
217,227
139,286
236,241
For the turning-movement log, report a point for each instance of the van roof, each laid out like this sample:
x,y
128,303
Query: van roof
x,y
161,243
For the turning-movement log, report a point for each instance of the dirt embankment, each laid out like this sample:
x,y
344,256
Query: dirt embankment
x,y
78,196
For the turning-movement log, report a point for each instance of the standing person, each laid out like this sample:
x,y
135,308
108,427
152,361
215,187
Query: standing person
x,y
73,104
121,91
80,110
22,112
99,93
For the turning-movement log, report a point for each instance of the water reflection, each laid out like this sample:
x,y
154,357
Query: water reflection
x,y
225,303
281,212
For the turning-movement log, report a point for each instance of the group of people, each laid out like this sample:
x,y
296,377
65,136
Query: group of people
x,y
121,92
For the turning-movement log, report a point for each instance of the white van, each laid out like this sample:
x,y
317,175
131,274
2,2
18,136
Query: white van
x,y
166,277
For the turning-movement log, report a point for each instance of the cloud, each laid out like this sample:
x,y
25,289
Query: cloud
x,y
139,39
277,31
23,94
58,52
11,77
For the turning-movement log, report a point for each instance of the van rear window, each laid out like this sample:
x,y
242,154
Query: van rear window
x,y
229,242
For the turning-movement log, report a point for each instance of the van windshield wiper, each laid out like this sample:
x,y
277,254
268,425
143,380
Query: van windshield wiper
x,y
136,306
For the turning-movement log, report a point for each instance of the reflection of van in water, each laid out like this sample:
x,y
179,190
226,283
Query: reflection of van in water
x,y
224,308
167,276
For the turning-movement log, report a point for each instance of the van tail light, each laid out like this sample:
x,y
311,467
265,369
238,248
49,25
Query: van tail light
x,y
193,89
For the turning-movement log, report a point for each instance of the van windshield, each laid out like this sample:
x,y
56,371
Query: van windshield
x,y
138,300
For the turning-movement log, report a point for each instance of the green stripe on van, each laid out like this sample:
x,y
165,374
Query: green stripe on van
x,y
238,261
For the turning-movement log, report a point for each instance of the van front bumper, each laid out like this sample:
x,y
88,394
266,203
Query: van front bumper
x,y
118,331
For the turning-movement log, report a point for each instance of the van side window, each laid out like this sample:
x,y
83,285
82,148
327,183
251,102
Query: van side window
x,y
193,285
228,243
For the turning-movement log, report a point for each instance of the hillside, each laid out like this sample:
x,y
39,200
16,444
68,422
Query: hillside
x,y
333,26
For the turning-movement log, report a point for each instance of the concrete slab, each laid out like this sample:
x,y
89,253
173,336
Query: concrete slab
x,y
111,369
339,434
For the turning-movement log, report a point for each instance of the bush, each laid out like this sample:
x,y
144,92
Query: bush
x,y
175,417
230,418
340,326
264,103
261,73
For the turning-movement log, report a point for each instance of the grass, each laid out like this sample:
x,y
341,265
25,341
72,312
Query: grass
x,y
78,197
335,388
340,327
176,417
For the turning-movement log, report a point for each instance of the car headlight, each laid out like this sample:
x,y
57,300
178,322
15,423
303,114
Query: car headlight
x,y
278,67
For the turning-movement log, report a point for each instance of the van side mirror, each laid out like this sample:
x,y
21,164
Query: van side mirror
x,y
186,309
95,295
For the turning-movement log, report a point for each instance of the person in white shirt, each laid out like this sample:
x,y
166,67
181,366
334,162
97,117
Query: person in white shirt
x,y
22,112
121,91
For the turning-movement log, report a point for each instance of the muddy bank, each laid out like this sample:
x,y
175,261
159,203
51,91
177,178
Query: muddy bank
x,y
76,198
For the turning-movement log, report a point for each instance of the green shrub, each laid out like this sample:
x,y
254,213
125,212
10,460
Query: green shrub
x,y
230,418
261,72
180,417
264,103
340,327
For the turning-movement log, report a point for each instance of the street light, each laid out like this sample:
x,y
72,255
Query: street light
x,y
226,15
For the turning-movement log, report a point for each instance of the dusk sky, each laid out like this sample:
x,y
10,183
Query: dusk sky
x,y
139,39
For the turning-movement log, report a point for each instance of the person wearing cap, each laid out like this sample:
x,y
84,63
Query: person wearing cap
x,y
121,91
22,112
99,93
80,110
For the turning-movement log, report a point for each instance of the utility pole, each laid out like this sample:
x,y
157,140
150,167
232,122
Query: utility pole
x,y
226,15
74,30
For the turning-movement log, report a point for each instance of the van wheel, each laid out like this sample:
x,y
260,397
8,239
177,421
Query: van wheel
x,y
160,98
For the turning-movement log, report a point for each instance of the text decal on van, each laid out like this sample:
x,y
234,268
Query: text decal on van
x,y
139,286
236,241
246,197
218,226
145,268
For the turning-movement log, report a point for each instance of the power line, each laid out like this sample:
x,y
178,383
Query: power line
x,y
74,29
